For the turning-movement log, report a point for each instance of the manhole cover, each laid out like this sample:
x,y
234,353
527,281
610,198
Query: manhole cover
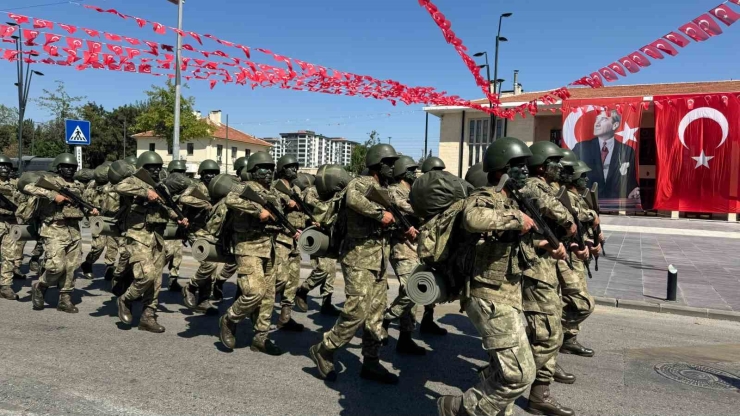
x,y
699,376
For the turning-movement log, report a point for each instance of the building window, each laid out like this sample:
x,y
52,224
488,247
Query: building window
x,y
219,152
247,152
191,149
477,140
233,154
152,146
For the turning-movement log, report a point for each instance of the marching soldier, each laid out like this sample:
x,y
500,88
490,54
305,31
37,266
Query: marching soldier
x,y
432,163
145,225
96,196
365,251
60,234
113,204
9,249
173,248
504,250
253,238
541,297
198,290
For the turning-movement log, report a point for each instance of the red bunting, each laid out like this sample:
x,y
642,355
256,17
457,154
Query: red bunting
x,y
608,74
91,32
708,25
159,28
678,39
725,14
51,38
69,28
20,19
141,22
652,52
117,49
94,46
617,68
30,36
664,47
132,41
42,24
629,64
693,31
196,37
7,31
113,38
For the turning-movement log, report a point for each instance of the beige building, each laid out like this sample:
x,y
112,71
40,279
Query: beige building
x,y
215,148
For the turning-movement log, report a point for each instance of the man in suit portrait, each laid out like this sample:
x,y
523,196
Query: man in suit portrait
x,y
613,164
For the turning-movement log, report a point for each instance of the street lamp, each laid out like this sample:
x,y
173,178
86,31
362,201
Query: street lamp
x,y
499,39
488,76
178,60
499,82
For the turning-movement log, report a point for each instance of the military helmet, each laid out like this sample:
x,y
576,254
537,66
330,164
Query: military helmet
x,y
101,174
220,186
120,170
149,158
131,160
64,159
403,164
432,163
304,180
541,151
476,176
240,163
286,160
177,166
331,179
379,152
259,158
502,151
84,175
177,183
569,158
4,160
207,165
580,168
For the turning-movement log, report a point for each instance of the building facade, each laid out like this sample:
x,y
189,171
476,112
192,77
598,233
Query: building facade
x,y
312,150
225,146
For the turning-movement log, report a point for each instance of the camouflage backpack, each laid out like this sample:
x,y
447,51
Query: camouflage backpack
x,y
218,219
28,205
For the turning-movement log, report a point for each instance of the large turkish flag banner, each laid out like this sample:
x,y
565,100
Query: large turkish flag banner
x,y
698,150
604,133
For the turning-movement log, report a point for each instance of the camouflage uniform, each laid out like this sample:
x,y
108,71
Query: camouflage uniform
x,y
287,255
365,251
111,204
540,294
8,249
577,302
95,196
60,235
495,301
403,260
144,226
173,257
203,277
255,257
324,269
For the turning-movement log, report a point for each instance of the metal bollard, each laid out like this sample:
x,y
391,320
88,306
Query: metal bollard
x,y
672,283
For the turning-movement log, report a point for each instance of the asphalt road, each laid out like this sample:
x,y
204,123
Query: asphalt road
x,y
88,364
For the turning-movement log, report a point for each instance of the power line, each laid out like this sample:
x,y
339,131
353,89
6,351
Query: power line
x,y
40,5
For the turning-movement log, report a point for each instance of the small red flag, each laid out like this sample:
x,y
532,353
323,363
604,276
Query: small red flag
x,y
196,37
725,14
677,39
617,68
159,28
707,24
141,22
113,38
608,74
639,59
117,49
20,19
132,41
92,32
52,38
629,64
69,28
664,47
94,46
42,24
693,31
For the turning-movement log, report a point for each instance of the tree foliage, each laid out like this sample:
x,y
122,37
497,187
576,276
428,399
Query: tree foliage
x,y
357,164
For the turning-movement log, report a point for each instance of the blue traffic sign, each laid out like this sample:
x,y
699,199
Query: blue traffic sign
x,y
77,132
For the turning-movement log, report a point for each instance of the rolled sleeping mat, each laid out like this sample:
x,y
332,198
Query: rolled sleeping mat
x,y
426,286
104,226
171,232
204,250
313,242
24,232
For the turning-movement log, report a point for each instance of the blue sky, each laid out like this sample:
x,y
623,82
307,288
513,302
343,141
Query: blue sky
x,y
551,43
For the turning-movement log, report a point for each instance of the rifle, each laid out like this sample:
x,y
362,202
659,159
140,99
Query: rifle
x,y
528,207
282,187
383,198
161,190
565,200
7,204
75,199
251,195
592,200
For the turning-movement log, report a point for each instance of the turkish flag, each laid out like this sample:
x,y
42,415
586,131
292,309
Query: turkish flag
x,y
159,28
117,49
678,39
707,24
693,31
132,52
196,37
132,41
94,46
608,74
113,37
30,36
639,59
91,32
52,38
725,14
20,19
42,24
664,47
652,52
69,28
698,154
52,50
6,31
587,128
628,63
141,22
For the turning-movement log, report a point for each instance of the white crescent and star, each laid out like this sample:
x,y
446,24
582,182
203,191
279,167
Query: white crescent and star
x,y
697,114
627,133
721,10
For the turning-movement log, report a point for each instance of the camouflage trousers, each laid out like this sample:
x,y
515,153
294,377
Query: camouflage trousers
x,y
323,274
287,273
257,283
367,295
62,259
173,256
8,254
227,271
147,262
402,308
20,246
204,277
124,255
578,304
544,329
511,369
38,249
99,244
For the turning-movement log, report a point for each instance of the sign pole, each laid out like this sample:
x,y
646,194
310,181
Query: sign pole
x,y
78,154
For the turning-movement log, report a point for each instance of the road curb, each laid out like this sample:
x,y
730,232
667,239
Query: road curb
x,y
668,308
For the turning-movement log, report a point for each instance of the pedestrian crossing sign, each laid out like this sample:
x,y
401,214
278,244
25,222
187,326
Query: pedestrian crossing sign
x,y
77,132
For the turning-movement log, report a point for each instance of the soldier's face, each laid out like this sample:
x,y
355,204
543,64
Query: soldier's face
x,y
410,176
263,174
207,176
553,169
518,172
567,175
5,171
154,171
582,182
290,172
67,171
386,169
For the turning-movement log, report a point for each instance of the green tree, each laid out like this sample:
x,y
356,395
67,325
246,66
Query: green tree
x,y
159,116
126,115
357,163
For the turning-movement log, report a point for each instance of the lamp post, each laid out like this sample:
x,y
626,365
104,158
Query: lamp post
x,y
499,39
488,76
178,60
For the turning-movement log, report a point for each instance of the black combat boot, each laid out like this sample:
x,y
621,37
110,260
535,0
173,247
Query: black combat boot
x,y
301,299
327,308
174,284
265,345
190,296
218,290
17,275
374,371
562,376
428,326
109,272
449,406
38,291
124,311
324,360
227,332
33,264
204,305
572,346
286,323
6,292
65,303
542,403
149,322
87,271
406,345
